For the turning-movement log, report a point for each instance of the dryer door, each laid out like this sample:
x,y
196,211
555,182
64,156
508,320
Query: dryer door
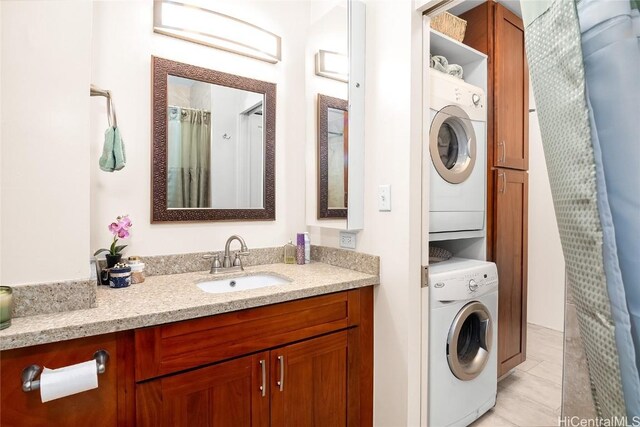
x,y
469,341
452,144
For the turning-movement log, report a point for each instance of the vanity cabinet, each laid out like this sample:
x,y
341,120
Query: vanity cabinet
x,y
295,363
304,362
499,33
301,384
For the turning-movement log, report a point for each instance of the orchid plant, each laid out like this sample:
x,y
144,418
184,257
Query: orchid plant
x,y
120,230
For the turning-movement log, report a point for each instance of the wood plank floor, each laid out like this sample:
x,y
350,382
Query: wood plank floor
x,y
532,394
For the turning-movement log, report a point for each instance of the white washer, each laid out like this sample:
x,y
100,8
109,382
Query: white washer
x,y
463,365
457,144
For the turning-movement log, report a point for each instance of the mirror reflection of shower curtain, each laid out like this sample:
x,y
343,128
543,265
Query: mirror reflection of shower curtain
x,y
189,158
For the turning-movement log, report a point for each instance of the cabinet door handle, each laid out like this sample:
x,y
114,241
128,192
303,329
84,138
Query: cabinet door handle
x,y
280,382
263,387
503,152
503,178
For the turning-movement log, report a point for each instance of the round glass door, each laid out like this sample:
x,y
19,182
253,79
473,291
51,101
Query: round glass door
x,y
452,144
469,341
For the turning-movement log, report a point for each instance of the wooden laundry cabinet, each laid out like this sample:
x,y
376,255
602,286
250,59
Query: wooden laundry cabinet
x,y
499,33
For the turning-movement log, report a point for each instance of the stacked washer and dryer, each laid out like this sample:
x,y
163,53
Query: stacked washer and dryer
x,y
462,293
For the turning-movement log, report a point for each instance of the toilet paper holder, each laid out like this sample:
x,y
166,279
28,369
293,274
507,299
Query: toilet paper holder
x,y
29,374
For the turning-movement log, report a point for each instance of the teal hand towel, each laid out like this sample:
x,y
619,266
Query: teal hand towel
x,y
113,155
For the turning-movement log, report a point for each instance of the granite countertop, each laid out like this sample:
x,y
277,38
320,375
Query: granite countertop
x,y
175,297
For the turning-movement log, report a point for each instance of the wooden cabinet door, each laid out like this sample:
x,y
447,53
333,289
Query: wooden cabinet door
x,y
97,407
233,393
510,252
309,382
511,92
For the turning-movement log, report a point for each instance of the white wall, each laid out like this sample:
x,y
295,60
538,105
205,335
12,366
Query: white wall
x,y
392,156
46,53
122,63
546,285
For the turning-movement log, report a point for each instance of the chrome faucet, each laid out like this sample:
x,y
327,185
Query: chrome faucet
x,y
226,265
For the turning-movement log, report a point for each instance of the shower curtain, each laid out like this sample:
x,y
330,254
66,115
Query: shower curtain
x,y
584,60
189,158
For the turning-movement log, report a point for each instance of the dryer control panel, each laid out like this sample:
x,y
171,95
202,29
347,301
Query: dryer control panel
x,y
449,90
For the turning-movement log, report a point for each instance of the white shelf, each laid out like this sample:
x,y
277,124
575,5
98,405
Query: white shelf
x,y
455,51
473,62
471,248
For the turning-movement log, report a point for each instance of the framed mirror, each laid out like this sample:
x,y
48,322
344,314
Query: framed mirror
x,y
333,157
213,145
335,84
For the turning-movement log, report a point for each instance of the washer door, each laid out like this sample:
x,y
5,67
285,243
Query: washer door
x,y
452,144
469,341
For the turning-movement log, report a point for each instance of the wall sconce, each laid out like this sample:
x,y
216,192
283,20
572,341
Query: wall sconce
x,y
332,65
207,27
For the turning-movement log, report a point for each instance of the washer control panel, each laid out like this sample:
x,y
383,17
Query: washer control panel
x,y
447,90
460,285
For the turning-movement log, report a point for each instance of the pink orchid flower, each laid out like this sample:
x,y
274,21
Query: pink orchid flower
x,y
119,229
114,228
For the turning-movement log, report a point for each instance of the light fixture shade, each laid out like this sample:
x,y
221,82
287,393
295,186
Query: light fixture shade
x,y
207,27
332,65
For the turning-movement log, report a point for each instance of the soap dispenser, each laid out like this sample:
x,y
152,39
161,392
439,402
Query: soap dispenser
x,y
290,253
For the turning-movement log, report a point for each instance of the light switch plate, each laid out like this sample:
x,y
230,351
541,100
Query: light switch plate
x,y
384,198
347,240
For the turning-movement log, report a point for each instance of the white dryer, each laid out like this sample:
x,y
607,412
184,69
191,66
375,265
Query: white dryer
x,y
457,145
462,350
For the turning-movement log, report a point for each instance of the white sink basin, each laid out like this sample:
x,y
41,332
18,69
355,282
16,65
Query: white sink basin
x,y
242,283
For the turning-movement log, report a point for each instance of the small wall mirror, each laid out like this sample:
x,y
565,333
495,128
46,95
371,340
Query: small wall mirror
x,y
333,157
213,145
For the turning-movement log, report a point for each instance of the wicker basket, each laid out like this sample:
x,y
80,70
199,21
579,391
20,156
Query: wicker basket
x,y
450,25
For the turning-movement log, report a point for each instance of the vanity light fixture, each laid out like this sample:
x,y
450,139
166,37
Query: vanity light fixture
x,y
207,27
332,65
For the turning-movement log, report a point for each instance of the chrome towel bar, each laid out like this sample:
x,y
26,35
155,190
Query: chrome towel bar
x,y
29,374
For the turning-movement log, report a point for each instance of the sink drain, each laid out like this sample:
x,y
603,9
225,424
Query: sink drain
x,y
232,283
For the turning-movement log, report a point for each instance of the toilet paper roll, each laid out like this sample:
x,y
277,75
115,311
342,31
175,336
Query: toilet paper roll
x,y
57,383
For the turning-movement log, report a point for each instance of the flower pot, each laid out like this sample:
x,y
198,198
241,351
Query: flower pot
x,y
113,260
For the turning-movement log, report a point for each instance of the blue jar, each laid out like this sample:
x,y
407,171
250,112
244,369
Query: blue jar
x,y
120,277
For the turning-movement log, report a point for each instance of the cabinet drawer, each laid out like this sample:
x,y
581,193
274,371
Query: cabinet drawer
x,y
98,407
174,347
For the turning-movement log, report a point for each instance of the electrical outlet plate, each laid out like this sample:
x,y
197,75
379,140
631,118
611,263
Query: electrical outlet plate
x,y
347,240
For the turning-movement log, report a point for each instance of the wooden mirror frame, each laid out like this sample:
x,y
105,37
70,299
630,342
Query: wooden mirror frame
x,y
161,70
324,103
